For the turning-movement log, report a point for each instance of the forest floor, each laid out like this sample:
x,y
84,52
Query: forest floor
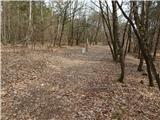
x,y
64,84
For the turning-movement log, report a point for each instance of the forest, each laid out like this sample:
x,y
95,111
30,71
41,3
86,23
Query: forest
x,y
80,60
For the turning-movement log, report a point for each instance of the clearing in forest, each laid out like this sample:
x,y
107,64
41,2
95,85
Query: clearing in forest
x,y
64,84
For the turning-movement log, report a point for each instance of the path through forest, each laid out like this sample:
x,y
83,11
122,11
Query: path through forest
x,y
64,84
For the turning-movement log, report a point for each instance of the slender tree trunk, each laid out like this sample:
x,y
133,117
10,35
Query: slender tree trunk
x,y
3,13
30,18
19,27
42,22
106,35
56,31
156,45
77,36
124,34
9,24
29,32
130,30
72,31
107,22
116,39
0,23
95,37
140,63
62,30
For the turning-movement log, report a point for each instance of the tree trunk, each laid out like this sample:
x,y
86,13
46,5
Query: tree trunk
x,y
62,29
42,22
130,30
116,39
140,63
156,45
106,21
95,37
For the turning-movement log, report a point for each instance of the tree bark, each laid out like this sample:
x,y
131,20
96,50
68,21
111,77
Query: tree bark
x,y
140,63
156,45
116,39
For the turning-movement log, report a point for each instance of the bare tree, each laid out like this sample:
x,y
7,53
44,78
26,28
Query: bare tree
x,y
143,46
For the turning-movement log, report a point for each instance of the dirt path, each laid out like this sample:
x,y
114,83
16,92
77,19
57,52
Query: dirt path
x,y
65,84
